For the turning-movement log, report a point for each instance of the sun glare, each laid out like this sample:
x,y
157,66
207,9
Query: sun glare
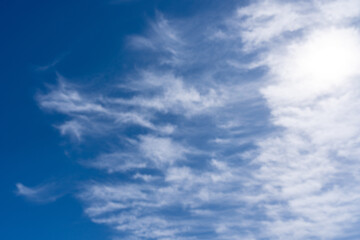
x,y
327,57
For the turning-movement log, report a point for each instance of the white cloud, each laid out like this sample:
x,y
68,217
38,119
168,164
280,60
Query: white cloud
x,y
40,194
162,37
170,180
204,156
173,95
73,128
147,152
307,186
161,150
118,162
264,22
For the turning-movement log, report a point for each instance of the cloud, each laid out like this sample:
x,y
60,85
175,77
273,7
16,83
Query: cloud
x,y
306,184
147,152
172,94
161,38
243,129
149,210
303,162
40,194
52,64
265,21
177,182
161,150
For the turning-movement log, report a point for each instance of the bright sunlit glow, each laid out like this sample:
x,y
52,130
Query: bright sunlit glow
x,y
327,57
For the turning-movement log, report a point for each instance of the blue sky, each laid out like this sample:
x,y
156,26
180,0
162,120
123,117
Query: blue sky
x,y
139,119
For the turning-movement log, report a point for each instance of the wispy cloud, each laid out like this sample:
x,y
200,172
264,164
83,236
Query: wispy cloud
x,y
244,129
52,65
40,194
161,38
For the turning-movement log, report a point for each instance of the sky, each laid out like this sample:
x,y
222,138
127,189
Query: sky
x,y
180,120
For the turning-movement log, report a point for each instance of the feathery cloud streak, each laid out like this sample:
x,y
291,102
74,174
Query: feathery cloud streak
x,y
40,194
